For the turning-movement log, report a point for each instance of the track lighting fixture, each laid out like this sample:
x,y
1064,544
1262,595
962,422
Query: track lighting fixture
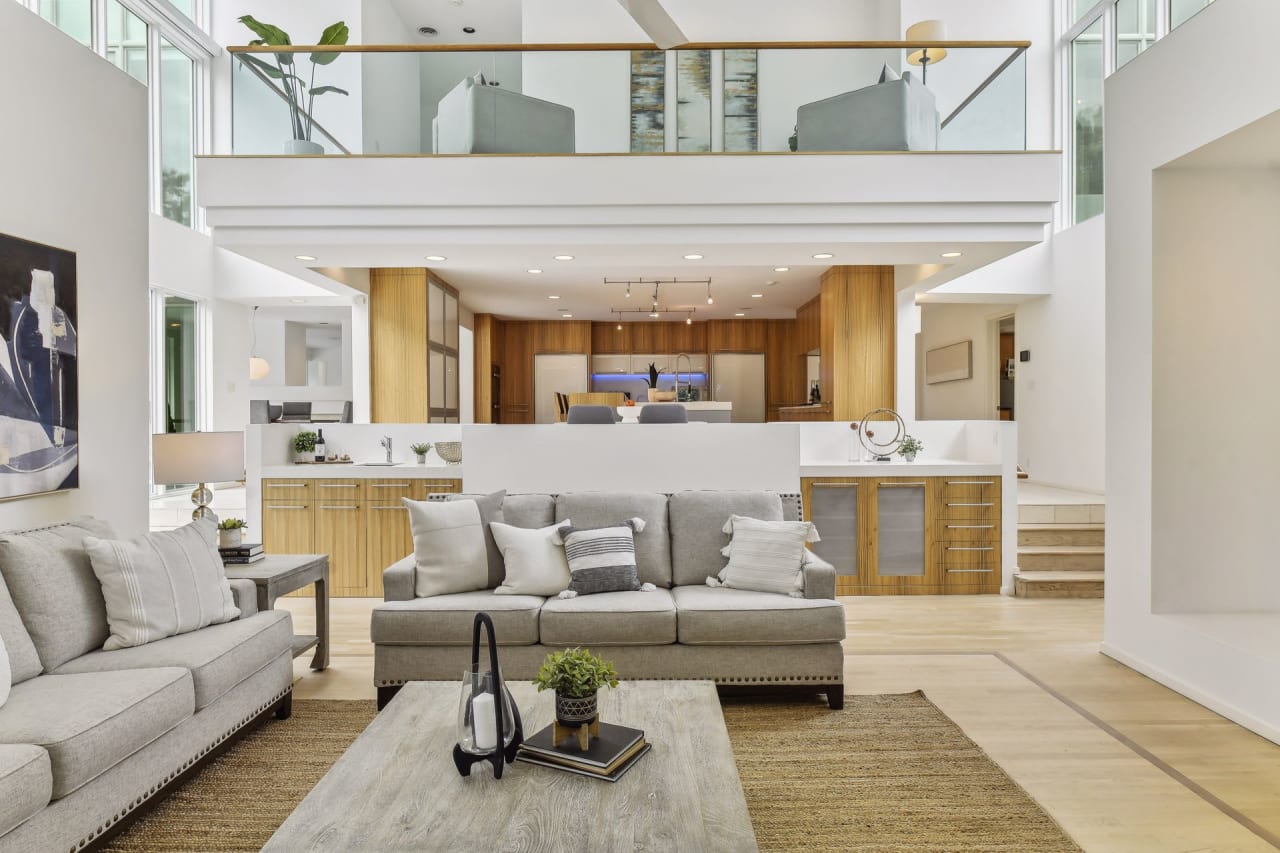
x,y
710,301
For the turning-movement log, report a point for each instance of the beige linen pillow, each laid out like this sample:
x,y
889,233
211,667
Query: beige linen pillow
x,y
766,556
535,560
448,547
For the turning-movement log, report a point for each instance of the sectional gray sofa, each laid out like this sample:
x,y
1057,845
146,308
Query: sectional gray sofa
x,y
684,630
88,736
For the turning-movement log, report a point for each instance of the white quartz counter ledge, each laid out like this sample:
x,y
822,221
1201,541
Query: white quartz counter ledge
x,y
922,467
404,471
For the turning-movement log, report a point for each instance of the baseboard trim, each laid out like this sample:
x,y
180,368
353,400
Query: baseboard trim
x,y
1200,697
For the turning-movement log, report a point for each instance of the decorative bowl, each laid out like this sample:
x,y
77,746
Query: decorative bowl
x,y
450,451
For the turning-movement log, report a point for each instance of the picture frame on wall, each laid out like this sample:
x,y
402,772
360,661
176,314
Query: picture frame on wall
x,y
39,385
949,363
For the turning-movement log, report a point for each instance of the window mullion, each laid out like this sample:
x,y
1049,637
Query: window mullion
x,y
153,98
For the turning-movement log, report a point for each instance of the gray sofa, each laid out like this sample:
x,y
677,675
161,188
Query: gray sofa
x,y
896,115
475,119
89,736
683,630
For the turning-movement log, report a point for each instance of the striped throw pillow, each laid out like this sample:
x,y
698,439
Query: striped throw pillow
x,y
765,556
602,559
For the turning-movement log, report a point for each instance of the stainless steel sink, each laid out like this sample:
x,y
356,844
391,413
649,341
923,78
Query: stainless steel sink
x,y
375,464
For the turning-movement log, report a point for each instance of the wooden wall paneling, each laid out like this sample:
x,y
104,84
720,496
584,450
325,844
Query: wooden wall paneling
x,y
398,345
608,339
683,337
484,342
809,325
857,318
562,336
651,337
784,367
737,335
517,372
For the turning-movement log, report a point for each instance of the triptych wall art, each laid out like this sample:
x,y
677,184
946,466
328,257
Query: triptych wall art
x,y
694,100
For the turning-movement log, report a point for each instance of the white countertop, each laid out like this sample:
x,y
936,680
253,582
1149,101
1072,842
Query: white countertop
x,y
405,470
693,406
922,467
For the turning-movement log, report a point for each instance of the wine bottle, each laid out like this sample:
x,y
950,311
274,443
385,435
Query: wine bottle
x,y
320,448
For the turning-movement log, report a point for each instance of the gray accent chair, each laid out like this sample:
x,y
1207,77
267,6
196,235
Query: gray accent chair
x,y
478,119
295,412
896,115
663,413
346,412
89,737
683,630
592,415
259,412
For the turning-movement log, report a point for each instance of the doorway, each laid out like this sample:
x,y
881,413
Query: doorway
x,y
1006,363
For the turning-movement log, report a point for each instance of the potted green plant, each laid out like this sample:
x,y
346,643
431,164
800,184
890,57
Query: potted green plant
x,y
231,532
421,450
299,94
304,446
656,396
909,447
575,675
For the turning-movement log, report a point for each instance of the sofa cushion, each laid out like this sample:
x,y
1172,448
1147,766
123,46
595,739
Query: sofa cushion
x,y
52,583
490,507
610,619
766,556
738,617
601,509
89,723
533,561
601,559
24,663
219,657
697,519
26,783
448,547
446,620
161,584
529,511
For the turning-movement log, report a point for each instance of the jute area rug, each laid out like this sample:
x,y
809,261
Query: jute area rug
x,y
888,774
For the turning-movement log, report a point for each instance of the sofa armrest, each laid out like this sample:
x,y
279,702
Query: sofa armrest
x,y
819,578
398,580
245,593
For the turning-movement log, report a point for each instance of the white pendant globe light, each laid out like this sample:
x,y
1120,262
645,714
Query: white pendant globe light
x,y
258,367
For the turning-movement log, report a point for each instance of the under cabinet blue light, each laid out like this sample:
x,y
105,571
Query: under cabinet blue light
x,y
639,375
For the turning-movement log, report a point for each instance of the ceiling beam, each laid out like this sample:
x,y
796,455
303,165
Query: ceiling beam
x,y
656,22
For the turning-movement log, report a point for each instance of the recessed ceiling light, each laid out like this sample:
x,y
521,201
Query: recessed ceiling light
x,y
654,315
468,30
564,257
782,269
952,254
567,316
693,257
436,258
757,296
534,272
553,296
740,314
823,256
770,283
297,301
305,257
427,31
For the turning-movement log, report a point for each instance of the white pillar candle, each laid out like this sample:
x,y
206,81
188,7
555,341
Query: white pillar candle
x,y
483,721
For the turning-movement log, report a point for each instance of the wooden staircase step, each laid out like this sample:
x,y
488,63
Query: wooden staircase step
x,y
1033,535
1036,584
1062,558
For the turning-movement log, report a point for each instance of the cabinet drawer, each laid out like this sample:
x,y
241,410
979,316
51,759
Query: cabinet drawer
x,y
978,510
968,530
290,490
438,487
957,559
392,489
341,490
969,488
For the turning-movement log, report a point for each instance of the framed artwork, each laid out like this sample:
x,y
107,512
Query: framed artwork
x,y
648,100
39,393
741,91
949,363
693,100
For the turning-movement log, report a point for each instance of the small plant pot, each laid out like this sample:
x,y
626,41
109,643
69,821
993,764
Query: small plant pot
x,y
575,710
910,457
230,538
302,146
421,457
304,457
653,395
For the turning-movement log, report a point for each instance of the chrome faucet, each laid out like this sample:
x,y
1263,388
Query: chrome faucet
x,y
386,443
688,374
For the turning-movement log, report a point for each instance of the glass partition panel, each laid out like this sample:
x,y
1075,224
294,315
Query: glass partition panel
x,y
982,110
1086,109
274,112
177,132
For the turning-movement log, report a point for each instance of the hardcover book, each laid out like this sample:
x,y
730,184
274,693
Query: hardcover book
x,y
628,761
613,744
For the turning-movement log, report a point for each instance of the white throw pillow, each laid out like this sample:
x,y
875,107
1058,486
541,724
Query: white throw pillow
x,y
448,547
535,561
766,556
161,584
6,674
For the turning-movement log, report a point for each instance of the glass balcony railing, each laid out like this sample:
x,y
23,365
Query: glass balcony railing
x,y
630,99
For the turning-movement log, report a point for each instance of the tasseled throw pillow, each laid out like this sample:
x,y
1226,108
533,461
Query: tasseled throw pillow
x,y
765,556
602,559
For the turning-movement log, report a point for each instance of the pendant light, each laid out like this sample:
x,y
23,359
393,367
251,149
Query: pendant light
x,y
258,367
710,301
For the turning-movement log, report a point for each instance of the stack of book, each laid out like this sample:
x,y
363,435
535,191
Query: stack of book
x,y
607,757
241,555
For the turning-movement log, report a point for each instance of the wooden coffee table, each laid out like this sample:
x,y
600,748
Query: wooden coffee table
x,y
396,787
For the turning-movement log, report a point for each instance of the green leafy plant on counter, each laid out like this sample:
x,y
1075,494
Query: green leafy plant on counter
x,y
575,673
653,375
300,94
232,524
910,446
421,449
304,442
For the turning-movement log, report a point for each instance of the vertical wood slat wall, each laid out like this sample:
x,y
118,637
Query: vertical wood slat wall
x,y
398,345
858,331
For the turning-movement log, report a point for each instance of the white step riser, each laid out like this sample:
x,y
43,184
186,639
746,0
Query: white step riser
x,y
1062,514
1024,588
1066,536
1061,562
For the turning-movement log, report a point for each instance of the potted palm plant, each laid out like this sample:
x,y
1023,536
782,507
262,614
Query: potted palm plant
x,y
299,94
656,396
575,675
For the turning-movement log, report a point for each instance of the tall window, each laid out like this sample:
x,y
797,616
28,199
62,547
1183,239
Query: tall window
x,y
177,347
1086,126
177,132
127,41
1135,28
1180,11
73,17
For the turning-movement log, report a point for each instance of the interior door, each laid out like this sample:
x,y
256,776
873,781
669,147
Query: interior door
x,y
738,378
551,373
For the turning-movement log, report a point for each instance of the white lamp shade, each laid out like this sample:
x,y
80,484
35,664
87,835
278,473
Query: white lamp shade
x,y
258,368
197,457
931,30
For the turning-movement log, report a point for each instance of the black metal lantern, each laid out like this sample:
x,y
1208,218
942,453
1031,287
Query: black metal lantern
x,y
489,727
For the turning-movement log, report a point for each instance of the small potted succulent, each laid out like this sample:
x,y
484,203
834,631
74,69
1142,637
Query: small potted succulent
x,y
575,675
304,446
231,532
909,447
421,450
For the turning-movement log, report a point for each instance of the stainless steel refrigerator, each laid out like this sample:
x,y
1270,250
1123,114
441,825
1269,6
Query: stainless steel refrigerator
x,y
739,379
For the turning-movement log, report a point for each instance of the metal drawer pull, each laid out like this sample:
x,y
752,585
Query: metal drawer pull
x,y
977,504
389,486
882,485
282,506
384,508
287,485
339,485
971,527
970,483
339,507
988,548
969,571
835,485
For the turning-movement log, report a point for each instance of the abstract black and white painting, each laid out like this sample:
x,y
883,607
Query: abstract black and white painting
x,y
648,101
693,93
741,90
39,399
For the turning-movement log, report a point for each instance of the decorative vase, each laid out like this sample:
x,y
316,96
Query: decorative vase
x,y
653,395
303,146
301,457
422,458
230,538
910,457
575,710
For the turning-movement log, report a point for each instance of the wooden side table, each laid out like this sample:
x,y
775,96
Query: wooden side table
x,y
279,574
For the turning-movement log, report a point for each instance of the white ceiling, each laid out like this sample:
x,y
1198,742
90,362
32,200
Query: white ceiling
x,y
495,21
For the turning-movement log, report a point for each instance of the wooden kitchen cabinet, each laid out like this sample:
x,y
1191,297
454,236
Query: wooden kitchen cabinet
x,y
340,533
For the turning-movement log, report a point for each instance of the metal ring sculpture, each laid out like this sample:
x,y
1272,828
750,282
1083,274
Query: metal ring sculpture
x,y
881,448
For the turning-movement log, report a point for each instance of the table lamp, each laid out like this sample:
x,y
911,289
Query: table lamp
x,y
198,457
923,31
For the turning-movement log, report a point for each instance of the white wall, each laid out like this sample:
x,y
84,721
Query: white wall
x,y
963,399
1179,95
73,164
391,106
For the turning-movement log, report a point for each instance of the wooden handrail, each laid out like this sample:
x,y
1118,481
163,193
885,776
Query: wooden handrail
x,y
624,46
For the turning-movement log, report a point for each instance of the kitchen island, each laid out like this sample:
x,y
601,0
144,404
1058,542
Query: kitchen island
x,y
698,411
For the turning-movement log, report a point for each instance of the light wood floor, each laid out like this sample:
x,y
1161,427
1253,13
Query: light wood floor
x,y
1121,762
